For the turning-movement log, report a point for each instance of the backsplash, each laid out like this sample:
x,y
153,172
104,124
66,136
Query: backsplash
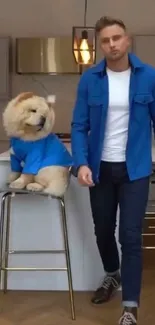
x,y
64,87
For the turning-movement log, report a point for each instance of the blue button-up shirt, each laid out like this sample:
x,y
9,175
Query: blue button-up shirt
x,y
90,112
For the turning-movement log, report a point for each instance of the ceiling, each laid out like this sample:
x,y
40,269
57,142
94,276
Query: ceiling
x,y
47,17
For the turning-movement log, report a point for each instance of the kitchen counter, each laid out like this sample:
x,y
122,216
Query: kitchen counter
x,y
39,228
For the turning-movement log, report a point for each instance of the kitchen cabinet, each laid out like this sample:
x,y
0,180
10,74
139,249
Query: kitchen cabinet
x,y
4,68
149,225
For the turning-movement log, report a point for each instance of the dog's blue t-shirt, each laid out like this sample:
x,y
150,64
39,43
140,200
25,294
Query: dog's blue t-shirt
x,y
29,157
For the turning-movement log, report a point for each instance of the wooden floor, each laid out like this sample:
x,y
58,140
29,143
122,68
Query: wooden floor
x,y
50,308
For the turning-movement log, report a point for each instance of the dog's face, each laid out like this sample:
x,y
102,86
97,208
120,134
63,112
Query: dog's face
x,y
29,117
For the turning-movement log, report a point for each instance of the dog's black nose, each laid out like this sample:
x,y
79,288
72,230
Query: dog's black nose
x,y
42,121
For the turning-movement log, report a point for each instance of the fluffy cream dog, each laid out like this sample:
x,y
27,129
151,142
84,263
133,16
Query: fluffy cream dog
x,y
39,160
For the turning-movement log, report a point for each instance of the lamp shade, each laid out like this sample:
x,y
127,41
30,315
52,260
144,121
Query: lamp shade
x,y
84,45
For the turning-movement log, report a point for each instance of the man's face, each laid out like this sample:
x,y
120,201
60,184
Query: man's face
x,y
114,42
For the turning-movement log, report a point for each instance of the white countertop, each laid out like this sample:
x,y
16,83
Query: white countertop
x,y
4,156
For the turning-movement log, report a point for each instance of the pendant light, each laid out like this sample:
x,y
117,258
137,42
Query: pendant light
x,y
84,43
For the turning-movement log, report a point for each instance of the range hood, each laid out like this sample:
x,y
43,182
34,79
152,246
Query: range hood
x,y
52,55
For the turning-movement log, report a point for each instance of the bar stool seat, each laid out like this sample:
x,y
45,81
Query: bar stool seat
x,y
7,195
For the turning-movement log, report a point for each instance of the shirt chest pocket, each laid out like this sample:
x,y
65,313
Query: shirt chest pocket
x,y
95,104
142,103
143,100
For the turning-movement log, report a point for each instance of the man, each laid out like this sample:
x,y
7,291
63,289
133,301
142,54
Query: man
x,y
111,146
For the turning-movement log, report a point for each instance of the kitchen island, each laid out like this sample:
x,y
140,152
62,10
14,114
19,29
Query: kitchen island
x,y
35,224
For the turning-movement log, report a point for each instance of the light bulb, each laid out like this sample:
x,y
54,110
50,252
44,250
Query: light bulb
x,y
84,47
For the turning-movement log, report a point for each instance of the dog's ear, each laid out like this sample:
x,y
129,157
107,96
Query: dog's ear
x,y
51,99
24,96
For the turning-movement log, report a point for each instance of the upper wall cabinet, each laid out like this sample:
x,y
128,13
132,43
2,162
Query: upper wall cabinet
x,y
4,68
144,48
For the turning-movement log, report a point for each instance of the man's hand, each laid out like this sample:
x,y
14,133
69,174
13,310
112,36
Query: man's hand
x,y
85,176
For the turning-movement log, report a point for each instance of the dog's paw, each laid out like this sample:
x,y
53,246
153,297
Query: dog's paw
x,y
18,184
12,177
34,187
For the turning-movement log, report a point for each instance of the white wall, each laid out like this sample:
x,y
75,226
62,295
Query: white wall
x,y
35,17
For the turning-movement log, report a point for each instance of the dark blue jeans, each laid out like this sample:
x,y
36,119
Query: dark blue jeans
x,y
115,189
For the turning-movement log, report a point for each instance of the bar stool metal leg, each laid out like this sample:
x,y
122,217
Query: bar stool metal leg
x,y
67,254
3,206
7,235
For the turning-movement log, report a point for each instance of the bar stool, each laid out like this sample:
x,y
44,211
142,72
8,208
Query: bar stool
x,y
7,196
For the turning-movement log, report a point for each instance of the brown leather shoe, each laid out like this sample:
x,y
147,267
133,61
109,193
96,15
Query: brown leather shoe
x,y
107,289
129,316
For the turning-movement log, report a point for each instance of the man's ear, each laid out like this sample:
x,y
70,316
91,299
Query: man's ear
x,y
130,39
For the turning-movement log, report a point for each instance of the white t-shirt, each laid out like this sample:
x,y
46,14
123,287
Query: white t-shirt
x,y
116,131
